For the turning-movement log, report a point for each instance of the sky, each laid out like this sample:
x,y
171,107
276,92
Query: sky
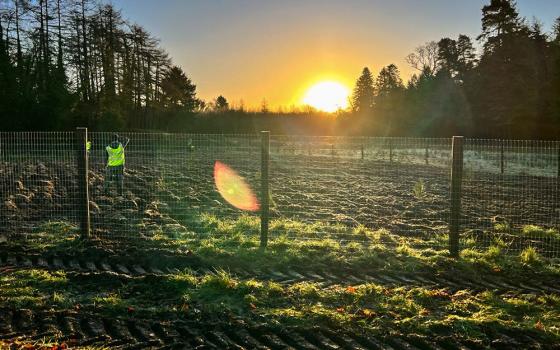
x,y
250,50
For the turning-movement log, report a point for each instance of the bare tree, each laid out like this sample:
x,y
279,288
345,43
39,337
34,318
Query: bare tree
x,y
424,56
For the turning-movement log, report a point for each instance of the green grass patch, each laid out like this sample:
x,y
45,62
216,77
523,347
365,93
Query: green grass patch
x,y
538,232
227,245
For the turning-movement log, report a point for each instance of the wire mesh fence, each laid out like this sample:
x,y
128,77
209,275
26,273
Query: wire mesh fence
x,y
320,187
398,184
511,195
38,180
169,183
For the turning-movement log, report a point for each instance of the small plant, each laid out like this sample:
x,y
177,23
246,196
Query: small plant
x,y
530,256
360,230
419,189
502,227
404,249
494,251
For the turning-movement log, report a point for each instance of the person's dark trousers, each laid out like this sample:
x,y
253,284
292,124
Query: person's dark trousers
x,y
114,172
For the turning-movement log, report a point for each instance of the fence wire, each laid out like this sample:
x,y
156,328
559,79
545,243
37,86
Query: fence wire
x,y
398,184
169,183
38,180
320,187
511,195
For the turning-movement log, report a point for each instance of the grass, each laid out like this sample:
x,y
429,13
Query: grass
x,y
229,244
45,344
235,243
363,307
538,232
419,189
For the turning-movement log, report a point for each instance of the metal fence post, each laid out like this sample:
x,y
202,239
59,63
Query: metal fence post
x,y
83,188
456,182
362,150
502,156
265,155
390,151
427,154
558,174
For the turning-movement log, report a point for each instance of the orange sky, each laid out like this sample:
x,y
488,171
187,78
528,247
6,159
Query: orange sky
x,y
254,49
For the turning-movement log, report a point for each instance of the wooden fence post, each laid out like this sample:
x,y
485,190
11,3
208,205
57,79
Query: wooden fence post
x,y
81,137
427,153
456,182
265,193
362,150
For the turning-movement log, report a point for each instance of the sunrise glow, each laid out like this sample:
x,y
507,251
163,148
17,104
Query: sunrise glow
x,y
327,96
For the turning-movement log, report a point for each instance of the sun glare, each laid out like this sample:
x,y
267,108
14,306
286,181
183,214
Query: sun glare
x,y
327,96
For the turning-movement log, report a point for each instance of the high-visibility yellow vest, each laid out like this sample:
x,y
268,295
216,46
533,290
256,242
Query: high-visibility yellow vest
x,y
88,146
116,155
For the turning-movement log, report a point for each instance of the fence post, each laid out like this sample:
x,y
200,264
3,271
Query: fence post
x,y
265,155
558,175
362,150
456,182
81,137
390,150
427,154
502,156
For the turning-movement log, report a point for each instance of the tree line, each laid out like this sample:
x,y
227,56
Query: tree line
x,y
77,62
65,63
512,89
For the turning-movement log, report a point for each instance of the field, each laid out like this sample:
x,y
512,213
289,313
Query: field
x,y
357,255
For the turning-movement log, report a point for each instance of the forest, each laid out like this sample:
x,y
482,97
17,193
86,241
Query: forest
x,y
68,63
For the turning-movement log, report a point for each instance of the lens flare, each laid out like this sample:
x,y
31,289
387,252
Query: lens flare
x,y
233,188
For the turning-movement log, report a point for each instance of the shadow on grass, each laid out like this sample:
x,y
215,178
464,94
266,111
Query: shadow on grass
x,y
223,245
234,244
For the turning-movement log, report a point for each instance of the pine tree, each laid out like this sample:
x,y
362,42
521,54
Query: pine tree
x,y
389,90
221,104
388,80
499,19
448,56
456,57
466,57
178,90
363,95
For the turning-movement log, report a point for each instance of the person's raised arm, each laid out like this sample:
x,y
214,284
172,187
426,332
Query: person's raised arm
x,y
126,142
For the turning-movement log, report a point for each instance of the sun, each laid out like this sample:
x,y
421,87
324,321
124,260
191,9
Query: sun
x,y
327,96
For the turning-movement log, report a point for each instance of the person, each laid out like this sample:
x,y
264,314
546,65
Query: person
x,y
115,163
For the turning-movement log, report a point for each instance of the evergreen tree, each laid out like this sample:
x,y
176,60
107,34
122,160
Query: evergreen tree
x,y
466,57
448,56
363,95
388,100
555,72
178,91
499,19
8,85
221,104
388,80
456,57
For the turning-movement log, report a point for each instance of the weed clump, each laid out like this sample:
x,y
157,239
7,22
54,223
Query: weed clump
x,y
530,256
502,227
538,232
419,189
